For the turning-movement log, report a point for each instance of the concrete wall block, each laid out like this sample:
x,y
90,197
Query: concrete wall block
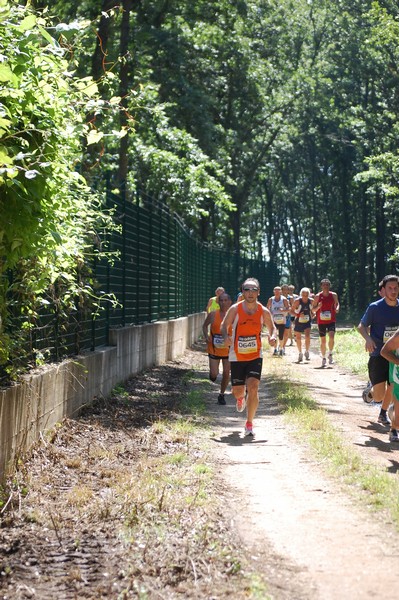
x,y
45,397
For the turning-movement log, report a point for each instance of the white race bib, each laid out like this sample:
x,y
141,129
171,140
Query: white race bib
x,y
388,333
218,341
247,344
325,315
279,319
303,319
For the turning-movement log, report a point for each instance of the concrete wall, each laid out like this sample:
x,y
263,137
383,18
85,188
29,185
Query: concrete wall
x,y
44,397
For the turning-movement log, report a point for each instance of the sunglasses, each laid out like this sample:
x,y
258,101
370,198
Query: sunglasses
x,y
251,289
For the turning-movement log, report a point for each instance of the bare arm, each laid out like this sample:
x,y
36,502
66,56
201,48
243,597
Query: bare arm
x,y
295,310
268,322
227,322
205,328
336,302
364,332
388,349
316,304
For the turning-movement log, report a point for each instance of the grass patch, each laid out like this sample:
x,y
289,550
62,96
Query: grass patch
x,y
193,402
350,352
172,510
377,488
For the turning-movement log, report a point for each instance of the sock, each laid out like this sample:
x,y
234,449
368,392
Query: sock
x,y
383,412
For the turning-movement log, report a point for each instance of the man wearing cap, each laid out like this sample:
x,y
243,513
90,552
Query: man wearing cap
x,y
247,318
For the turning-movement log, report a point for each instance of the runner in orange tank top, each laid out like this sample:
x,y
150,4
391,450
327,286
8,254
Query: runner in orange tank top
x,y
247,318
216,346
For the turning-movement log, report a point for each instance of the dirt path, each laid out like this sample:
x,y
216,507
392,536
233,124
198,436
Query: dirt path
x,y
63,535
338,549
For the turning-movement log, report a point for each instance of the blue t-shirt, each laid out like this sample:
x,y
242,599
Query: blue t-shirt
x,y
383,321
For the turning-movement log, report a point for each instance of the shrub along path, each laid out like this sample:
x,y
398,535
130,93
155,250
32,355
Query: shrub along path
x,y
135,499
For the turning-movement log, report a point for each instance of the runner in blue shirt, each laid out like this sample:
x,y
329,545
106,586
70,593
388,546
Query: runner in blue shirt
x,y
377,325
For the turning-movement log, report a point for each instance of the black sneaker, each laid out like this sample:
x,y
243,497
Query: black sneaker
x,y
383,419
393,436
221,399
367,394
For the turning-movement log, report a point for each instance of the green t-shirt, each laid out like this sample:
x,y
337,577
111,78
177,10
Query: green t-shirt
x,y
214,305
394,377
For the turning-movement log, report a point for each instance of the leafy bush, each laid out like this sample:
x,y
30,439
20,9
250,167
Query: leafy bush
x,y
52,221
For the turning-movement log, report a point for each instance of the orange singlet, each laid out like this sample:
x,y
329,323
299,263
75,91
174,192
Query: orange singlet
x,y
217,345
247,344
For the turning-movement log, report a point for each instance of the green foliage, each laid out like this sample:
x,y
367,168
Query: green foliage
x,y
51,220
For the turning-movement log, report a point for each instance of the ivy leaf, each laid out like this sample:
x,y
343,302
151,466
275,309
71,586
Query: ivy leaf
x,y
7,75
46,35
28,23
94,136
4,158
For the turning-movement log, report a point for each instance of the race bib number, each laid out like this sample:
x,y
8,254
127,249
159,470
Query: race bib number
x,y
279,319
247,345
218,341
303,319
325,315
388,333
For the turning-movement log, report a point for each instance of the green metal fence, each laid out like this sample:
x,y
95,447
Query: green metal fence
x,y
162,272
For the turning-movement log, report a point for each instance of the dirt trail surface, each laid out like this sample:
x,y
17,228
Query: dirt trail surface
x,y
293,525
338,548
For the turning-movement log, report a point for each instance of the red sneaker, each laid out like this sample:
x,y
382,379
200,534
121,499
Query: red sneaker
x,y
241,404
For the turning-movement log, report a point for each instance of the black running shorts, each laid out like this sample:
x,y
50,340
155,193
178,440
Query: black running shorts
x,y
242,369
378,369
324,328
215,357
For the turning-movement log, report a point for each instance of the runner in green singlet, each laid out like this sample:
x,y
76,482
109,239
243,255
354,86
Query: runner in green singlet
x,y
390,351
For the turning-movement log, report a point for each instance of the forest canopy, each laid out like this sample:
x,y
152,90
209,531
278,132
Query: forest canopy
x,y
269,126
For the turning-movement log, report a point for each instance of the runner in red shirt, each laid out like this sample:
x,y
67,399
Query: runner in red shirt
x,y
326,306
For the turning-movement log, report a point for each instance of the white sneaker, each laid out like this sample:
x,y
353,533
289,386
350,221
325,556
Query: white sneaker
x,y
300,357
323,361
249,430
307,355
330,359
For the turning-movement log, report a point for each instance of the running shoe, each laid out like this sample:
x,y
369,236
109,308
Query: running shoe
x,y
281,352
300,357
307,355
367,394
330,359
393,436
275,353
221,399
383,419
391,413
249,430
241,404
323,361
